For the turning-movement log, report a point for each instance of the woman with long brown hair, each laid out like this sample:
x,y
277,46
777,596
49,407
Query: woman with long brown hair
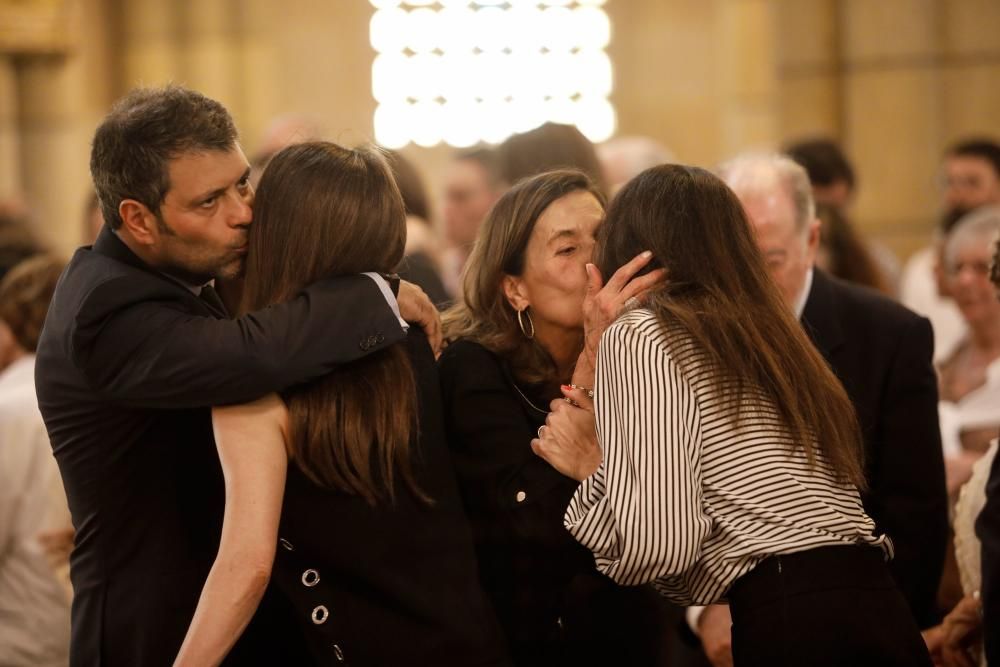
x,y
347,477
731,453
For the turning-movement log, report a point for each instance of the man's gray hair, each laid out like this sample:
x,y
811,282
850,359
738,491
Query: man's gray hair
x,y
980,226
763,173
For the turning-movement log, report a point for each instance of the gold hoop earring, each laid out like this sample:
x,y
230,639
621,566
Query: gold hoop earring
x,y
521,314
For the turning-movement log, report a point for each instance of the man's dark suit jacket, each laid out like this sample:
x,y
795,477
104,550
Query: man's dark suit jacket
x,y
128,364
988,531
882,354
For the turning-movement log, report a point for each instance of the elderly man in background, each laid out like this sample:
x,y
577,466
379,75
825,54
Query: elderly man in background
x,y
882,354
35,528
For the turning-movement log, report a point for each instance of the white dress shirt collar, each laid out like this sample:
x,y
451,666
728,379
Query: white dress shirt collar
x,y
800,305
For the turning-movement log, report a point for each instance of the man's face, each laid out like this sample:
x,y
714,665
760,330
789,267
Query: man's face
x,y
205,216
789,252
969,182
468,197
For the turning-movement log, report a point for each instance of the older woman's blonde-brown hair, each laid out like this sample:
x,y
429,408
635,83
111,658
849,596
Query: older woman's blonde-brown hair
x,y
484,315
25,293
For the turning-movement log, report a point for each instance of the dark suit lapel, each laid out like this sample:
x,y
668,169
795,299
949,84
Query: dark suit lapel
x,y
820,318
109,245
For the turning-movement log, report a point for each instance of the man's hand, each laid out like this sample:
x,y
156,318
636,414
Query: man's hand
x,y
568,440
603,303
934,640
963,628
416,308
715,627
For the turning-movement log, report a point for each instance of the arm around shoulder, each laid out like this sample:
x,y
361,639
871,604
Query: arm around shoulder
x,y
151,351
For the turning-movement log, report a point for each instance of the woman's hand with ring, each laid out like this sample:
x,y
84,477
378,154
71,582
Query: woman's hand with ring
x,y
568,439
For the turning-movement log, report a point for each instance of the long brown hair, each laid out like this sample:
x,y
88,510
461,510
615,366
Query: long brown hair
x,y
484,315
323,210
848,257
719,292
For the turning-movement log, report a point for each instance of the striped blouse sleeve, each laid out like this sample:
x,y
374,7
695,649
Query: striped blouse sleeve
x,y
641,512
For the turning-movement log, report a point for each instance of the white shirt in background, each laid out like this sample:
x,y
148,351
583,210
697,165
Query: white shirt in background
x,y
34,606
918,292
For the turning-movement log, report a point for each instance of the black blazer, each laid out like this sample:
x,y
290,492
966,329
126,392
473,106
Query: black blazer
x,y
988,531
553,605
882,354
128,364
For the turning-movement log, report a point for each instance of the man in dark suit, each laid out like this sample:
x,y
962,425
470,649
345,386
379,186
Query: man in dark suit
x,y
881,352
137,347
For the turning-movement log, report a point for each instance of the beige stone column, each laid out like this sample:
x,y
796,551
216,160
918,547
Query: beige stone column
x,y
809,91
893,114
665,66
10,136
208,49
747,75
970,92
54,146
149,49
259,69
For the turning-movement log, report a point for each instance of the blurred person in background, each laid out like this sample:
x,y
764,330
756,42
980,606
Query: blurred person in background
x,y
624,158
834,185
283,130
35,530
422,258
970,178
970,375
843,254
547,147
472,184
961,631
17,243
830,172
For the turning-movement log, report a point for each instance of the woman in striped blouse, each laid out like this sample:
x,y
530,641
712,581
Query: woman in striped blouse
x,y
731,453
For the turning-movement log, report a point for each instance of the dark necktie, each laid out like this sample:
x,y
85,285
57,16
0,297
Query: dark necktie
x,y
211,297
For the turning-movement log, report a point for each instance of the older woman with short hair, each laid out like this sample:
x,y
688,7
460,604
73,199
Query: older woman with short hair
x,y
969,377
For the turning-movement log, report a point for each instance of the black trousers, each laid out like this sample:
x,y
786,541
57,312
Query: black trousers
x,y
826,607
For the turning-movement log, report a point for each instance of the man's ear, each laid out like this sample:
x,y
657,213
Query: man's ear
x,y
516,293
812,240
139,221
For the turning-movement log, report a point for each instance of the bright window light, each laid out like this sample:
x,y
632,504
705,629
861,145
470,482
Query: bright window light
x,y
465,71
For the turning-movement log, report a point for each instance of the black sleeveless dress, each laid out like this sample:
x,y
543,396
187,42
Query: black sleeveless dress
x,y
388,585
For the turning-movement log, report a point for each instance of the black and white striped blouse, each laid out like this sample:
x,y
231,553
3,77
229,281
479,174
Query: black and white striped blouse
x,y
687,497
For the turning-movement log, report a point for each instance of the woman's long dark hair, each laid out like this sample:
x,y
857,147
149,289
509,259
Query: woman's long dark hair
x,y
849,258
323,210
719,292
